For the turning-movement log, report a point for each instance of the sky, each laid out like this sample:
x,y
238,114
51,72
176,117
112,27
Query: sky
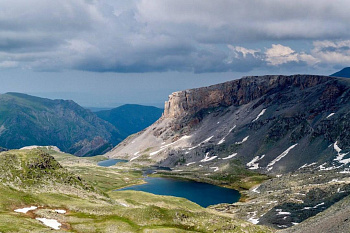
x,y
103,53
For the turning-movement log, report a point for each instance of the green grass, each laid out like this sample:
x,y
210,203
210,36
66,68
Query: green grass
x,y
144,212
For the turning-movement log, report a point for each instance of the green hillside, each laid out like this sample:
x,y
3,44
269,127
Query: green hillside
x,y
47,180
27,120
131,118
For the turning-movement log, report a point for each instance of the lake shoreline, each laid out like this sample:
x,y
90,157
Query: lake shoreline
x,y
189,189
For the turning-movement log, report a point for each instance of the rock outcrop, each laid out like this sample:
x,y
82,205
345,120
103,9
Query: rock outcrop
x,y
237,92
272,124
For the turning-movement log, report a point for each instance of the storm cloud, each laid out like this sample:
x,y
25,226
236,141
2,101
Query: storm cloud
x,y
172,35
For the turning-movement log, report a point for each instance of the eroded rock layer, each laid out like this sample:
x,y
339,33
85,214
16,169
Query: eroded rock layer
x,y
271,124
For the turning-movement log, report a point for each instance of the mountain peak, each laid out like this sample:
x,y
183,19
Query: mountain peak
x,y
344,73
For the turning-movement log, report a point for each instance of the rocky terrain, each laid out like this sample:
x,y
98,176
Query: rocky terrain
x,y
27,120
294,129
272,124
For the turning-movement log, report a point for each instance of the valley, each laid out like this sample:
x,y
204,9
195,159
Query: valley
x,y
280,141
175,116
92,205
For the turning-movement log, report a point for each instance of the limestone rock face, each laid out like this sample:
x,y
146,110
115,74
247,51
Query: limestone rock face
x,y
237,92
272,124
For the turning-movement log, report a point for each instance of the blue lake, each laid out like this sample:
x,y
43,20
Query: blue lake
x,y
111,162
201,193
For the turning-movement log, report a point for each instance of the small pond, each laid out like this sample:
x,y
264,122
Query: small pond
x,y
111,162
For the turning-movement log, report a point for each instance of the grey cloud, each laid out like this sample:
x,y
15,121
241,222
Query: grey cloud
x,y
162,35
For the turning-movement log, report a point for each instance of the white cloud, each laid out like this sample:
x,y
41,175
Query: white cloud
x,y
332,52
238,50
280,54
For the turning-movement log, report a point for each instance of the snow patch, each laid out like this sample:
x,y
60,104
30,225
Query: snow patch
x,y
241,142
253,164
205,141
255,190
330,115
307,208
230,156
135,154
60,211
340,156
260,114
280,212
25,210
307,165
167,145
270,165
190,164
215,168
123,204
346,171
207,158
253,218
223,139
53,223
323,168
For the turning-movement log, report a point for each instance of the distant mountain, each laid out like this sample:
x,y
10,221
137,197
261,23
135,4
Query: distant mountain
x,y
131,118
97,109
345,73
27,120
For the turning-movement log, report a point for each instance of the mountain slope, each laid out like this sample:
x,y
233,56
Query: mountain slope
x,y
345,73
272,124
27,120
295,129
131,118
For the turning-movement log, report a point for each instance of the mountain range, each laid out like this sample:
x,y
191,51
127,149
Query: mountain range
x,y
28,120
282,141
131,118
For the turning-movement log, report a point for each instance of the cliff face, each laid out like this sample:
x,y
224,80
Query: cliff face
x,y
269,123
293,128
237,92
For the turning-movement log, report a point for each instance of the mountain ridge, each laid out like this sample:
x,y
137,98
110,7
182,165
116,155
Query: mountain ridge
x,y
28,120
131,118
344,73
271,115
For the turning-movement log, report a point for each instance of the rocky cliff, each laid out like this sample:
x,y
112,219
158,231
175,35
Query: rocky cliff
x,y
295,129
271,124
237,92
